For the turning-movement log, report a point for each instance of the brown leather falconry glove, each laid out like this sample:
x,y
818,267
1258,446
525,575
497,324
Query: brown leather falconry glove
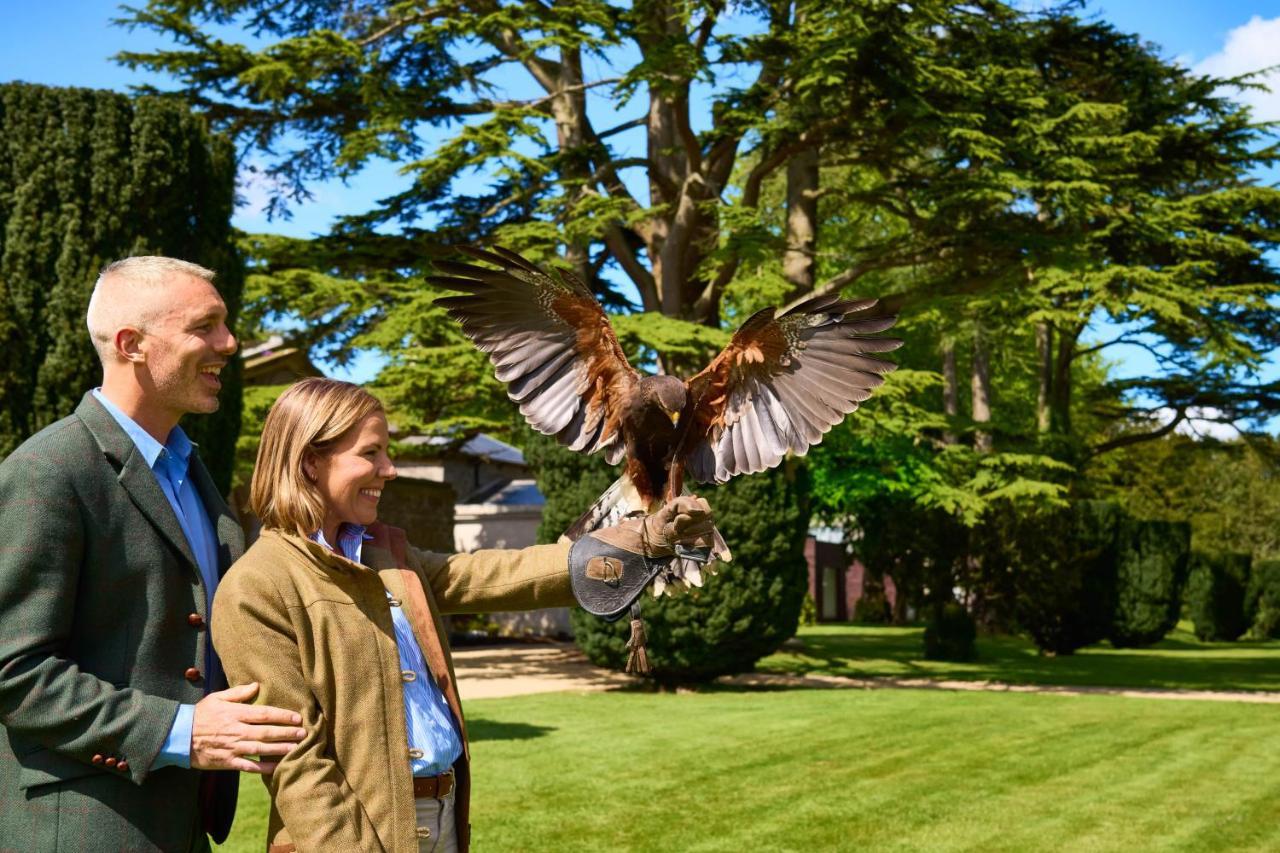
x,y
610,567
684,521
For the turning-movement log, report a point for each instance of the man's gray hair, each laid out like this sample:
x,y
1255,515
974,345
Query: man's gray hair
x,y
130,292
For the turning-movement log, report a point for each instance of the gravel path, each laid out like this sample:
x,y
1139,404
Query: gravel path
x,y
494,671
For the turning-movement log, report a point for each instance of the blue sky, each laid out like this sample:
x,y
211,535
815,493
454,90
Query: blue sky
x,y
70,42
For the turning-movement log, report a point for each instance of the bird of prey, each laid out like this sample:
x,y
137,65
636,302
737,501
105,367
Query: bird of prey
x,y
781,383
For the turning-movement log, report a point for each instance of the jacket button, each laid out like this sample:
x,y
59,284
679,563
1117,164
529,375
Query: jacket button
x,y
97,759
415,753
408,675
123,766
111,761
195,620
192,674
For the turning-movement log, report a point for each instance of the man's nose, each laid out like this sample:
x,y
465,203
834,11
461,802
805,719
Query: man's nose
x,y
229,344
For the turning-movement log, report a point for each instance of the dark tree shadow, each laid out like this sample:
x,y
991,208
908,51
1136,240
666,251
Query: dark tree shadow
x,y
482,729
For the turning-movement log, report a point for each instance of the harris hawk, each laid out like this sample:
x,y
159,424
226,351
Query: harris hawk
x,y
780,384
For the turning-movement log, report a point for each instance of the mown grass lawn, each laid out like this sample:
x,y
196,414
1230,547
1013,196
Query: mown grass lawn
x,y
1179,661
812,770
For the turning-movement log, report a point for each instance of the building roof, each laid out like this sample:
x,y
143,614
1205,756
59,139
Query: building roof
x,y
507,493
480,445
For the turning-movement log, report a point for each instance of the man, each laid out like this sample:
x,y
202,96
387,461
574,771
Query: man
x,y
112,541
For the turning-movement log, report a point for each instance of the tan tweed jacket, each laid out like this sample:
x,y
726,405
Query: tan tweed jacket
x,y
314,629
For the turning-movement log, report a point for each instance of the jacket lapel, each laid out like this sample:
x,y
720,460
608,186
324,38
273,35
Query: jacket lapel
x,y
405,584
134,475
226,527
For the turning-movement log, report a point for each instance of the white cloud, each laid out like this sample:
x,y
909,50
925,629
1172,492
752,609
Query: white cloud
x,y
1251,47
1196,424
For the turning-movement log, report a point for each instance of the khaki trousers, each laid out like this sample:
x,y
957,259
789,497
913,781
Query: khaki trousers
x,y
437,830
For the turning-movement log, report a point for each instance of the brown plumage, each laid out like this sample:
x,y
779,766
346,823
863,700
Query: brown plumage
x,y
780,385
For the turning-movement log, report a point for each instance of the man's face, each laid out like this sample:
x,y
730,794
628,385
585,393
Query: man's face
x,y
187,346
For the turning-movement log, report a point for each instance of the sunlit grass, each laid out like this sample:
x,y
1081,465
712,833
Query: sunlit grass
x,y
1179,661
816,770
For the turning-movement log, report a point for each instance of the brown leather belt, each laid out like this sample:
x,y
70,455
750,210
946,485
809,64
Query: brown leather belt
x,y
433,787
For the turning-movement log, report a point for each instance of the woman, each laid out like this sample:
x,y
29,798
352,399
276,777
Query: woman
x,y
338,618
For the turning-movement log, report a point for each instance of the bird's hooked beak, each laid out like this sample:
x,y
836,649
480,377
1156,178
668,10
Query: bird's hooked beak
x,y
675,417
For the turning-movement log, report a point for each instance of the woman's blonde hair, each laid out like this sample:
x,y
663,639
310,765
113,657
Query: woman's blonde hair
x,y
312,415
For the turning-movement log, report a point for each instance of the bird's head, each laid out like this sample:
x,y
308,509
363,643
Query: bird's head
x,y
667,393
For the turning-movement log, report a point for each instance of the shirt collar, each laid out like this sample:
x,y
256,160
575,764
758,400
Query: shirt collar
x,y
177,444
351,539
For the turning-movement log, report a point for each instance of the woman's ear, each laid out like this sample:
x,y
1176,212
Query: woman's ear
x,y
309,462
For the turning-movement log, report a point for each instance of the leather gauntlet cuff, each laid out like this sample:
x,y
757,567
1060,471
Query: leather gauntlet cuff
x,y
606,579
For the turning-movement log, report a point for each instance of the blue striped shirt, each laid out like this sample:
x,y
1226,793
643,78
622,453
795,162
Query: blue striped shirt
x,y
434,742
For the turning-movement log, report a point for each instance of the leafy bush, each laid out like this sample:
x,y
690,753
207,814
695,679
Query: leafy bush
x,y
1216,595
872,606
808,611
1262,606
950,634
1152,559
1063,565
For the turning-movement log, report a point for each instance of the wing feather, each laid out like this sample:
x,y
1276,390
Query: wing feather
x,y
782,383
548,340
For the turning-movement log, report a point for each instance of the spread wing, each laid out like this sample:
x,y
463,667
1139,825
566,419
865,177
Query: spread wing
x,y
549,341
782,383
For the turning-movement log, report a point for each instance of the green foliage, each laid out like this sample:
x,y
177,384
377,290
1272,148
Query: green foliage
x,y
742,613
950,633
1228,491
808,611
88,177
1153,558
1063,564
1262,604
1216,594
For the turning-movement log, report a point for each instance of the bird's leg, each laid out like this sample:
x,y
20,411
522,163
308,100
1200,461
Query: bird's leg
x,y
675,479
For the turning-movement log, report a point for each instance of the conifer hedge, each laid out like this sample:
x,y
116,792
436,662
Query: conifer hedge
x,y
1262,607
1216,595
87,177
1152,559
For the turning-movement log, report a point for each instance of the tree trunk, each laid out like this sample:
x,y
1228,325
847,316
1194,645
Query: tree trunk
x,y
1044,354
1060,396
950,389
798,265
981,389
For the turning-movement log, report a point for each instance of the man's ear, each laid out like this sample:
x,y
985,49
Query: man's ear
x,y
129,345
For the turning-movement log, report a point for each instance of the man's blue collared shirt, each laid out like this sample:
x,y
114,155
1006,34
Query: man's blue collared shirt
x,y
170,462
434,742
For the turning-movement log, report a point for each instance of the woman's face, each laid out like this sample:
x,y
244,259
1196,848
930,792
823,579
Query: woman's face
x,y
351,475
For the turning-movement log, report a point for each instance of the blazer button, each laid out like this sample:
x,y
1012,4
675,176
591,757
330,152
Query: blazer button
x,y
123,766
97,759
408,675
192,674
195,620
111,761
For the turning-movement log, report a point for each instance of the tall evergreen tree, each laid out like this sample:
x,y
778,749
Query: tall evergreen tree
x,y
87,177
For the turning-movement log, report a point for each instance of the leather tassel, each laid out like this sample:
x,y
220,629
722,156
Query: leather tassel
x,y
638,660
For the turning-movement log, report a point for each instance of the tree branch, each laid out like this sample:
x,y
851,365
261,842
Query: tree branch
x,y
1180,414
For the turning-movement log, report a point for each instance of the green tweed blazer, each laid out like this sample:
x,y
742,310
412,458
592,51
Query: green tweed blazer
x,y
102,635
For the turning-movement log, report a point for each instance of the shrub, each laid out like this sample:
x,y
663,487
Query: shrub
x,y
808,611
950,634
1064,570
1262,606
1152,559
872,607
1216,595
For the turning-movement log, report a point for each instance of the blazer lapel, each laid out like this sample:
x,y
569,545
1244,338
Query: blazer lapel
x,y
226,527
135,475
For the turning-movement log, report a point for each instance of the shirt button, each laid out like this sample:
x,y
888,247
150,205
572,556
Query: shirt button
x,y
195,620
415,753
192,674
408,675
